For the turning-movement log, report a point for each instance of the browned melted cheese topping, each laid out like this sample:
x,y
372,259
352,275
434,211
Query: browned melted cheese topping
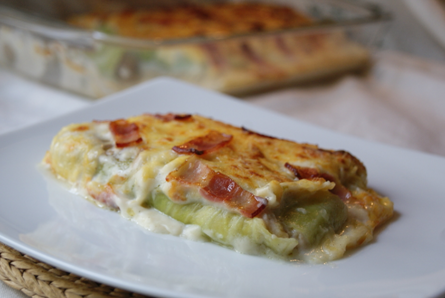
x,y
252,160
212,20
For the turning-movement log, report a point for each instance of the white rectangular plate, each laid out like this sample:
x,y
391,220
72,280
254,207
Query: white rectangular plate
x,y
43,220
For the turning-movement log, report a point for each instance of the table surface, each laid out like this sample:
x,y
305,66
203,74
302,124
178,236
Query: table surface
x,y
399,102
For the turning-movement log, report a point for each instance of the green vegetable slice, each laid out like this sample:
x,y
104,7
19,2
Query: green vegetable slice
x,y
310,218
225,227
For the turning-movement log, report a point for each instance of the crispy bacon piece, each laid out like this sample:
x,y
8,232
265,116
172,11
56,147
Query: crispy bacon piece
x,y
311,173
203,145
217,187
223,188
339,189
302,172
125,133
170,117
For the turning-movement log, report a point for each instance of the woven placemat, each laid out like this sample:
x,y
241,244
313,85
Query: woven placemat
x,y
40,280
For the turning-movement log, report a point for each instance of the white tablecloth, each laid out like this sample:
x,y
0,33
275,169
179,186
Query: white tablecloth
x,y
401,102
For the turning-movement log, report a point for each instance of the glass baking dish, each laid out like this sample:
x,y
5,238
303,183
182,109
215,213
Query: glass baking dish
x,y
36,41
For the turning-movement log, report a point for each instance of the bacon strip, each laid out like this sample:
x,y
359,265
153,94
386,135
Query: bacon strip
x,y
203,145
223,188
217,187
125,133
339,189
302,172
311,173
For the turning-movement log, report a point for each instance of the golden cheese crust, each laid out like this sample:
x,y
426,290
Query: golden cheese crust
x,y
211,20
315,201
251,159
